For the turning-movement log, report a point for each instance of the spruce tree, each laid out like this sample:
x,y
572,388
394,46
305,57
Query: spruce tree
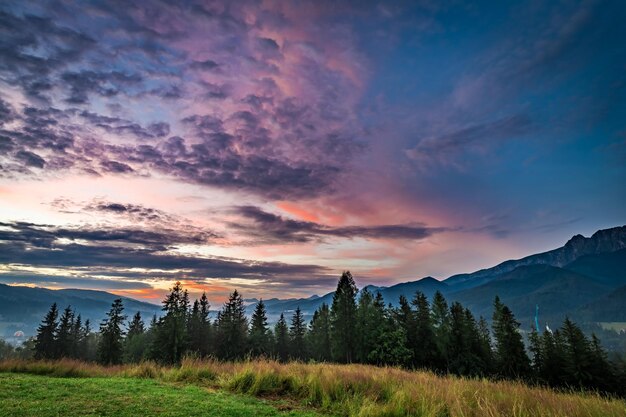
x,y
389,339
110,348
510,354
366,326
281,335
135,344
170,340
65,338
45,341
259,336
319,334
232,328
136,326
406,319
342,317
425,351
195,329
206,327
77,338
578,358
297,333
461,359
440,317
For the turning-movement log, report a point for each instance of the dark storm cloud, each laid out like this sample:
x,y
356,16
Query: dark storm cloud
x,y
47,236
271,227
263,141
38,245
43,280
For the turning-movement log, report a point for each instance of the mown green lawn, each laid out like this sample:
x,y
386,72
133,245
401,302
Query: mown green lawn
x,y
40,396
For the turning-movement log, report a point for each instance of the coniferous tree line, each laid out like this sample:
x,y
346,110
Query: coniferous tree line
x,y
356,328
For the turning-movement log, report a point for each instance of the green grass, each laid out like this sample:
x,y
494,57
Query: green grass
x,y
263,387
42,396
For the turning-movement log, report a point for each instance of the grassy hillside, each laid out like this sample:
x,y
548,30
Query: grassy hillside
x,y
343,390
42,396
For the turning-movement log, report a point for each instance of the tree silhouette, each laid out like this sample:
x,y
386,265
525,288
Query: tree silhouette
x,y
110,348
342,316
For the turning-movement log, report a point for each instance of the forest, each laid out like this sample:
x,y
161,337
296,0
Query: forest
x,y
356,328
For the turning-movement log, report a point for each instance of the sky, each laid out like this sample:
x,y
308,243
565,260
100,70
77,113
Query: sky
x,y
269,145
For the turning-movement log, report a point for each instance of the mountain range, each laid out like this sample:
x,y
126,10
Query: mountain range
x,y
585,279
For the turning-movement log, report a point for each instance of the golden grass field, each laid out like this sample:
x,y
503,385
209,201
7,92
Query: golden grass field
x,y
350,390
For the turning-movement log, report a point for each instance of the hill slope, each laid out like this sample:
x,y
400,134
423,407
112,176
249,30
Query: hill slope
x,y
22,308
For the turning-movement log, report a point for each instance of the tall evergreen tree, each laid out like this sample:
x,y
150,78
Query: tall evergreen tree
x,y
110,348
406,319
77,338
342,317
170,340
319,334
366,323
259,336
232,328
135,345
205,322
297,333
281,335
425,351
136,326
195,329
510,354
45,341
440,318
389,339
65,338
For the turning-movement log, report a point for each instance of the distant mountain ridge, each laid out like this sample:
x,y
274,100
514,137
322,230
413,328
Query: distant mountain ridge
x,y
602,241
22,308
585,279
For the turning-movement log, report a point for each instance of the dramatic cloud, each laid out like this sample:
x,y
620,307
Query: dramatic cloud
x,y
129,252
189,140
271,227
279,114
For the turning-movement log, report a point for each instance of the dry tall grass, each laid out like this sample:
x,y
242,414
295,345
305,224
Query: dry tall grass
x,y
353,390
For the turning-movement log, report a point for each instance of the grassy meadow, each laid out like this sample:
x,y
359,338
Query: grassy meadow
x,y
268,388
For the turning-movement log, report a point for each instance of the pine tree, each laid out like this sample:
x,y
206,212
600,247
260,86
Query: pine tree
x,y
281,334
297,333
110,348
259,336
45,341
389,339
87,343
65,340
510,354
232,328
578,358
135,345
319,334
406,319
342,316
195,329
170,339
366,326
425,351
136,326
440,317
484,346
461,360
77,338
206,327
